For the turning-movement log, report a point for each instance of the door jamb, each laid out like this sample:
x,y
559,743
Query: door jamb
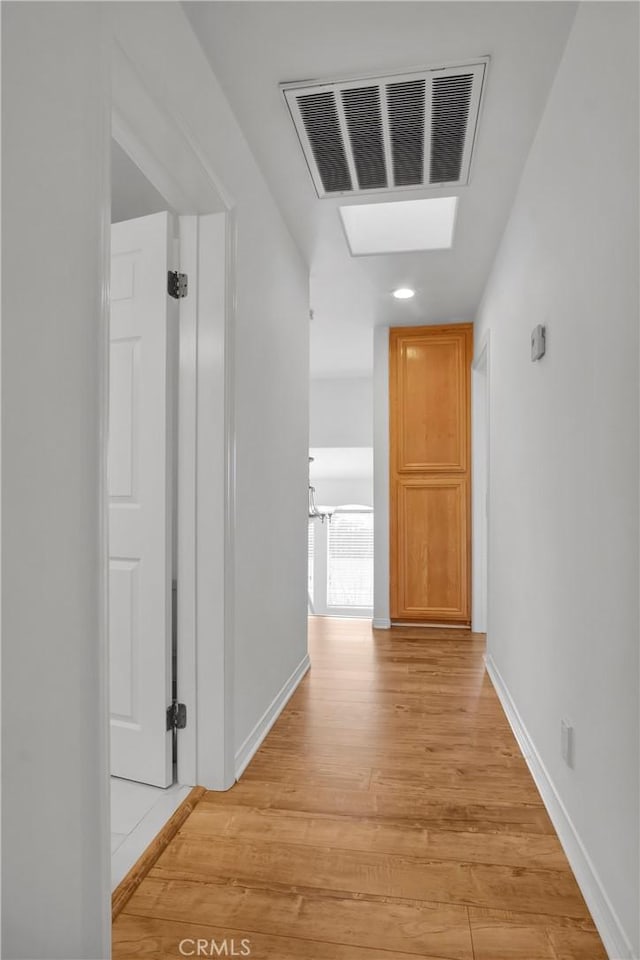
x,y
206,484
186,453
480,423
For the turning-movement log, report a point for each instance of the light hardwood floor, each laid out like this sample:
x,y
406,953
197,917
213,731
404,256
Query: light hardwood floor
x,y
389,814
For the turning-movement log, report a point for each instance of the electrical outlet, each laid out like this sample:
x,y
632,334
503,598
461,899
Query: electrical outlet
x,y
566,742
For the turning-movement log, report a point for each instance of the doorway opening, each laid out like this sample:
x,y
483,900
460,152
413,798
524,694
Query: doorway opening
x,y
143,512
341,545
170,474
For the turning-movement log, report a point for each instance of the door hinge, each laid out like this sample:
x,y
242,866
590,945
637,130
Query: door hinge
x,y
177,284
176,716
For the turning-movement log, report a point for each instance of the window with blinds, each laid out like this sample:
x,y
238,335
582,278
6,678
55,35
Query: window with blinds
x,y
312,546
350,560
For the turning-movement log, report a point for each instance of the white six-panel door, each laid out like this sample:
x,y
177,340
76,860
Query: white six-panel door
x,y
140,499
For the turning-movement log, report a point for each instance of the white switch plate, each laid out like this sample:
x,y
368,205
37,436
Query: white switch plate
x,y
538,342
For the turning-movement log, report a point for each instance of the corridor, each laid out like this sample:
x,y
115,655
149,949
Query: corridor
x,y
389,813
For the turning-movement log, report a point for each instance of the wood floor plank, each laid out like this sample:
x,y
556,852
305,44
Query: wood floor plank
x,y
374,716
477,781
286,866
421,755
392,804
425,761
406,838
461,732
399,680
311,769
571,943
388,814
406,754
312,735
352,690
423,702
413,928
436,716
435,780
503,935
145,938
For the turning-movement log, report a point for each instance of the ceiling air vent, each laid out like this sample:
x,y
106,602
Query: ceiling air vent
x,y
388,133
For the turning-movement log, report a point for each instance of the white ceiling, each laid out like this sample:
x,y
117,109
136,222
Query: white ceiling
x,y
255,46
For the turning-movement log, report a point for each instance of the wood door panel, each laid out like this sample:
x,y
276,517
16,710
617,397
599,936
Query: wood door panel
x,y
431,409
429,386
432,546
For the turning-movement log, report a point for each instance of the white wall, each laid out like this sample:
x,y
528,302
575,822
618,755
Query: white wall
x,y
55,191
335,493
563,575
341,415
55,140
341,412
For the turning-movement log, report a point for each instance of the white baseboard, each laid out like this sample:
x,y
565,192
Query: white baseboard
x,y
249,747
616,943
381,623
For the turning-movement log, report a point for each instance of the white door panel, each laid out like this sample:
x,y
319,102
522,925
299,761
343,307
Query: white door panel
x,y
140,499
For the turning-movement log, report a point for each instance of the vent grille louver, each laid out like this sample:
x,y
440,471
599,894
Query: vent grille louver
x,y
364,123
320,118
406,122
449,116
389,133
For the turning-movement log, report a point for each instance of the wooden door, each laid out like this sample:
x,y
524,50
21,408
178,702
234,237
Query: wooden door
x,y
430,453
140,500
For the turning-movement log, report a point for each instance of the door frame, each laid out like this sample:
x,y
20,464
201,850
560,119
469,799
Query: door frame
x,y
157,139
480,464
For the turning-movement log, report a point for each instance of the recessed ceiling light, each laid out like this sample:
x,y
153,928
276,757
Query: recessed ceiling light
x,y
403,226
404,293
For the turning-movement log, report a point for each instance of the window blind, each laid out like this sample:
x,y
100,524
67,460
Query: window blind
x,y
310,558
350,560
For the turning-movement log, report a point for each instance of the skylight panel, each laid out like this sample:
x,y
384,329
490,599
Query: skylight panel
x,y
404,226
